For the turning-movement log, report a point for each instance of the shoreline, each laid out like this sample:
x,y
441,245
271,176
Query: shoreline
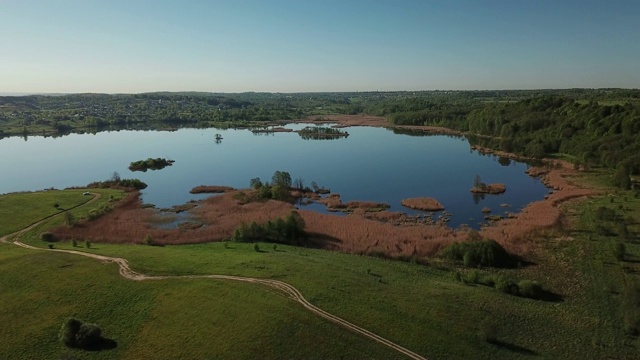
x,y
380,234
542,214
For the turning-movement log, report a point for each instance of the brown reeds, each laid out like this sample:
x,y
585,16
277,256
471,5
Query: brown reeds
x,y
355,233
423,203
204,189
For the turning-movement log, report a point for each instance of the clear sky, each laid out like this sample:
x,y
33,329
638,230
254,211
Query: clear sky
x,y
316,45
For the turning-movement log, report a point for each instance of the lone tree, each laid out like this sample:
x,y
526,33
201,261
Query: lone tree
x,y
281,179
478,184
69,219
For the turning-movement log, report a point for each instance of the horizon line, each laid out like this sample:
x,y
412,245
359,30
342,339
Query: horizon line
x,y
27,93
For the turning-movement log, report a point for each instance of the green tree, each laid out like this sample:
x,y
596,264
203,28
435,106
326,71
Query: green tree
x,y
75,333
282,179
622,178
69,330
69,219
255,183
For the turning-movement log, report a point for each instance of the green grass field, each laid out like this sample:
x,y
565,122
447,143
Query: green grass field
x,y
20,210
419,307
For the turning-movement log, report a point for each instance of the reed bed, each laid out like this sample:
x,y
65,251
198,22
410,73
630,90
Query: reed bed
x,y
358,233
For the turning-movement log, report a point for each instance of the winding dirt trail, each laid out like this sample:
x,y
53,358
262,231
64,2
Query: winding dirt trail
x,y
289,290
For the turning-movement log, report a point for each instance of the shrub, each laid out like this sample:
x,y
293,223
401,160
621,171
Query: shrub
x,y
478,253
74,242
89,335
256,247
603,230
289,230
255,183
604,213
623,231
507,286
530,289
69,219
488,331
87,244
472,277
50,246
48,237
456,276
69,330
631,303
75,333
619,251
148,239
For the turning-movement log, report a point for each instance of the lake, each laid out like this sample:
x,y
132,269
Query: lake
x,y
372,164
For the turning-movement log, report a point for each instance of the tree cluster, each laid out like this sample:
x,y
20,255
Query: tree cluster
x,y
278,189
289,230
487,253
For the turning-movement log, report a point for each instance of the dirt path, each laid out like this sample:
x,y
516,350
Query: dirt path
x,y
289,290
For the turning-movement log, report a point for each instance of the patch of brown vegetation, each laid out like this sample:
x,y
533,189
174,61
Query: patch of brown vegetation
x,y
383,233
130,223
544,214
271,130
367,205
334,203
346,120
189,225
423,203
356,234
490,189
205,189
180,208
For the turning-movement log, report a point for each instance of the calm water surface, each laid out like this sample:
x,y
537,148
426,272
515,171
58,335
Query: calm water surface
x,y
371,164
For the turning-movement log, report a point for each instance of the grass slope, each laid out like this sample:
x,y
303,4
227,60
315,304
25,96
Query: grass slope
x,y
421,308
194,319
20,210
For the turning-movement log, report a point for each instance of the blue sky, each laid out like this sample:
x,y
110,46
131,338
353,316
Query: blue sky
x,y
132,46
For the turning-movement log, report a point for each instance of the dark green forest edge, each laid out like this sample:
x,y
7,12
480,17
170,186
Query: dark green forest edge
x,y
589,127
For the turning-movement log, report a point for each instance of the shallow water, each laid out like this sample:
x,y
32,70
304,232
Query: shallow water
x,y
371,164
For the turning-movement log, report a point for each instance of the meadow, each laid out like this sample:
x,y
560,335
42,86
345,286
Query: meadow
x,y
427,309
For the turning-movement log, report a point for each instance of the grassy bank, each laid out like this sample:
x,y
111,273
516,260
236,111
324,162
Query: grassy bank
x,y
422,308
20,210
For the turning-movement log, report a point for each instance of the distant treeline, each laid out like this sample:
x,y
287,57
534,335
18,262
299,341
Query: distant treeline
x,y
592,126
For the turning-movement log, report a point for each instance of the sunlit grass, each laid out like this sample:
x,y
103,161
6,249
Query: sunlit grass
x,y
420,307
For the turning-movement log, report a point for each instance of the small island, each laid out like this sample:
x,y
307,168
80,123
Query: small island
x,y
489,189
204,189
150,164
481,188
424,204
321,133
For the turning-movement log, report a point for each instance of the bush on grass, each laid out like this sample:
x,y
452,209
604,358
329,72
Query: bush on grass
x,y
478,253
75,333
48,237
